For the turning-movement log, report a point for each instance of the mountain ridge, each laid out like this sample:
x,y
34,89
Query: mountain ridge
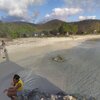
x,y
16,28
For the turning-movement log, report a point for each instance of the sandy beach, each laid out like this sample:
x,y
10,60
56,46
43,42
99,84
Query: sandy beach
x,y
32,58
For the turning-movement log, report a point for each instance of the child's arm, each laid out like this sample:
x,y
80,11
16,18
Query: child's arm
x,y
19,85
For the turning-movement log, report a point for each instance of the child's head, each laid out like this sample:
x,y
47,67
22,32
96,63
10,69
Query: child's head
x,y
16,78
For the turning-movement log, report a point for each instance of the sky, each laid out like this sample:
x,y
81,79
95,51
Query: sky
x,y
38,11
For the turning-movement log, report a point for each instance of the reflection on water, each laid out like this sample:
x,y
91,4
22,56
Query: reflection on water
x,y
4,55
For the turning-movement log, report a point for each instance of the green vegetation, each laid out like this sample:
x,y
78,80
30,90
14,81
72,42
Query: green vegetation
x,y
70,28
51,28
15,30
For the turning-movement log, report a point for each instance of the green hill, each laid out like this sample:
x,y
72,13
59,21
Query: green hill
x,y
20,29
16,29
50,25
85,25
88,26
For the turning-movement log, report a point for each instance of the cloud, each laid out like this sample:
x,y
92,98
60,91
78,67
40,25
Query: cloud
x,y
87,5
62,13
18,8
86,17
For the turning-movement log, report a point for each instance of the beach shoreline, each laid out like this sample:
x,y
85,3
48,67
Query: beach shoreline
x,y
37,54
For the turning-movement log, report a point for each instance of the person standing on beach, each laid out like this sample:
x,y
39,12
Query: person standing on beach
x,y
16,89
3,49
3,45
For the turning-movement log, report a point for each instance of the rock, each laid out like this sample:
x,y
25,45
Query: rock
x,y
36,94
58,58
53,97
68,97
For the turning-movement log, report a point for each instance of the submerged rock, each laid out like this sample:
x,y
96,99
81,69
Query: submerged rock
x,y
36,94
58,58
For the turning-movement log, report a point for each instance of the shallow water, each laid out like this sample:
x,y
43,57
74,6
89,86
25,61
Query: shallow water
x,y
79,73
31,81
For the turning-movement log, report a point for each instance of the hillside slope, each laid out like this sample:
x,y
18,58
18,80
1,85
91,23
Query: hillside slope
x,y
19,28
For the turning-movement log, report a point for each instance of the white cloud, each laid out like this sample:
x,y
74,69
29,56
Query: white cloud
x,y
86,17
62,13
18,8
88,5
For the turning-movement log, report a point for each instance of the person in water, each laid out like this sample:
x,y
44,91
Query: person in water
x,y
16,89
